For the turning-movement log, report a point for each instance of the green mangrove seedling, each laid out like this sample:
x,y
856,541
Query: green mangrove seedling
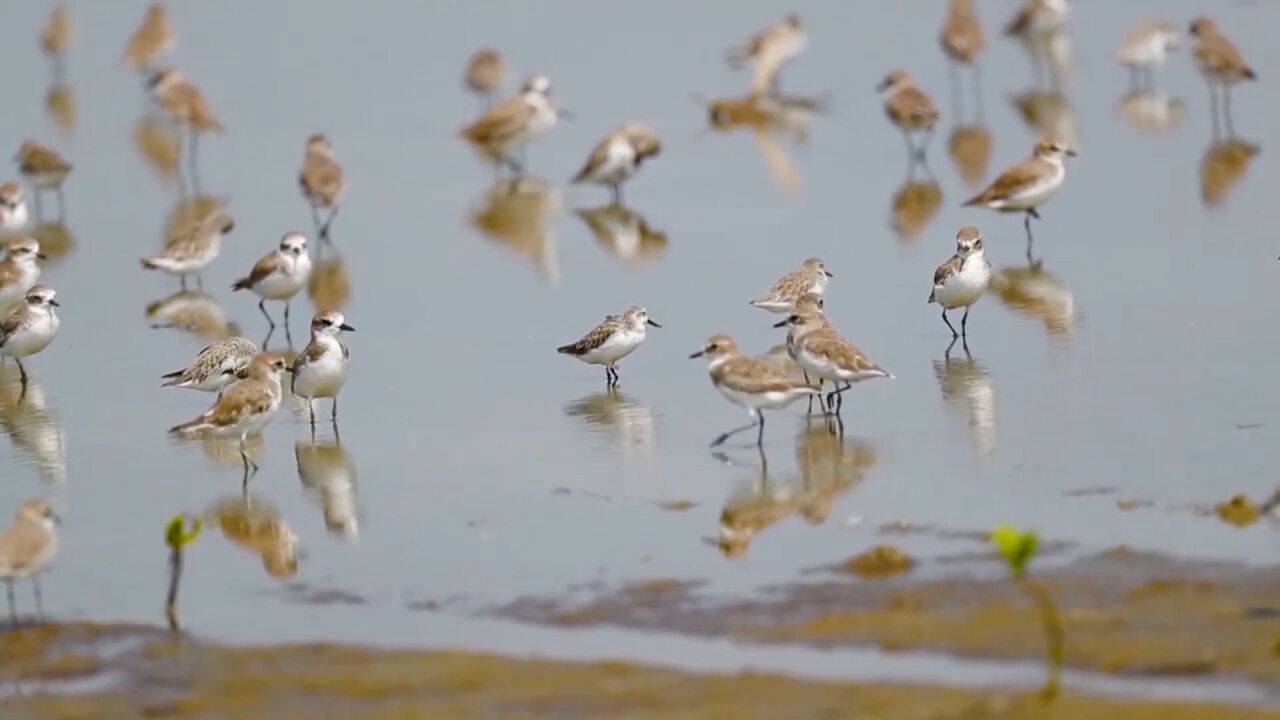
x,y
177,535
1017,548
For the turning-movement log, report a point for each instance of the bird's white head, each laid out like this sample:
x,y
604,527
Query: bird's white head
x,y
24,251
968,241
537,83
293,244
330,322
637,317
42,296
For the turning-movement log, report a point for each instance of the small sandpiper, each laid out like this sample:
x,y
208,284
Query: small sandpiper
x,y
1027,185
825,355
618,156
485,74
150,41
768,51
13,209
44,169
909,109
192,248
215,367
320,370
30,327
27,547
812,278
1144,49
1221,64
961,37
961,281
321,181
611,341
183,103
749,383
279,275
55,36
19,271
245,408
513,123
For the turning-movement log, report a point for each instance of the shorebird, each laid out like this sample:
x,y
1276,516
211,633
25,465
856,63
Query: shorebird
x,y
55,38
320,370
279,275
150,41
215,367
44,169
30,327
611,341
183,103
769,51
513,123
618,156
825,355
13,209
485,74
961,37
812,277
909,109
19,271
961,281
321,181
1144,49
749,383
1221,64
192,247
1027,185
245,408
27,547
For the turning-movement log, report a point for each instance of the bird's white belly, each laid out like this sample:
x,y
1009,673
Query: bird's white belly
x,y
771,400
15,219
816,365
322,379
280,286
963,289
1034,195
615,348
31,340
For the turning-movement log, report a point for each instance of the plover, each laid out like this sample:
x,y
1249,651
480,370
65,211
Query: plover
x,y
1037,18
245,408
808,304
611,341
909,109
513,123
1028,185
749,383
27,547
30,327
618,156
1144,49
320,370
215,367
44,169
150,41
192,248
1221,64
961,37
321,181
279,275
812,277
825,355
19,271
183,103
485,74
961,281
55,36
768,51
13,209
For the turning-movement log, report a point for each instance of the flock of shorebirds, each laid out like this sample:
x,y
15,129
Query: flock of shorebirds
x,y
250,383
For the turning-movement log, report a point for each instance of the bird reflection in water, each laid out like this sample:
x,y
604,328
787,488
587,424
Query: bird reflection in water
x,y
159,145
329,287
1222,167
966,386
1151,111
55,38
1048,113
516,213
32,426
60,104
257,526
916,202
771,119
1041,27
191,311
619,419
970,149
56,240
624,234
222,451
327,472
1037,293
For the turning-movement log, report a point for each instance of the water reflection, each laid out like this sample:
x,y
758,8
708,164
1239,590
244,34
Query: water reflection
x,y
966,386
330,286
970,149
618,418
1048,113
624,234
516,213
191,311
1041,27
771,119
31,425
159,145
257,526
915,203
56,240
1222,166
1151,111
1037,293
60,104
326,470
221,452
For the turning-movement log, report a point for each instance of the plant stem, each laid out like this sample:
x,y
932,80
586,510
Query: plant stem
x,y
175,574
1053,633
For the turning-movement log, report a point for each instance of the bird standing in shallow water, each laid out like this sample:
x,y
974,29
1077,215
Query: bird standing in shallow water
x,y
1027,185
611,341
749,383
27,547
320,370
962,280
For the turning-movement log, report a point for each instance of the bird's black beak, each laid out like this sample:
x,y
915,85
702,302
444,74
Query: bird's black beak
x,y
1071,153
651,322
55,517
883,85
828,274
346,328
55,303
42,256
781,324
696,355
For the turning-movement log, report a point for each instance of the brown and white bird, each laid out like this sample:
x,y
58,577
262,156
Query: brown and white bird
x,y
749,383
827,356
1028,185
321,181
279,275
55,36
768,51
30,327
19,271
13,209
192,247
963,279
245,408
812,277
485,74
183,103
506,128
612,340
150,41
961,37
909,109
618,156
27,547
1222,65
320,370
44,169
1145,48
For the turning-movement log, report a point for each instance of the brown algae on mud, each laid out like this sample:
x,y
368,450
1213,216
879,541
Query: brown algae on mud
x,y
879,562
1121,612
165,676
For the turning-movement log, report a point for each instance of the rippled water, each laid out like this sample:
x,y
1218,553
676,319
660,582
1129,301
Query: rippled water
x,y
476,465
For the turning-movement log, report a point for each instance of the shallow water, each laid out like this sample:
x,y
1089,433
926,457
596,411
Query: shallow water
x,y
482,466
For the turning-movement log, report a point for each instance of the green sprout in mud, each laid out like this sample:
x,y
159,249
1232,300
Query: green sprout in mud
x,y
176,536
1017,548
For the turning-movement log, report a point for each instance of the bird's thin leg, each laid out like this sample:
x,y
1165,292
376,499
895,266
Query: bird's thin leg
x,y
182,282
951,327
200,281
35,583
725,436
760,433
946,354
924,144
13,604
62,204
1226,112
1213,108
957,102
328,222
262,305
1027,224
911,147
333,416
806,382
315,219
963,322
977,93
22,374
35,196
288,333
616,193
311,408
